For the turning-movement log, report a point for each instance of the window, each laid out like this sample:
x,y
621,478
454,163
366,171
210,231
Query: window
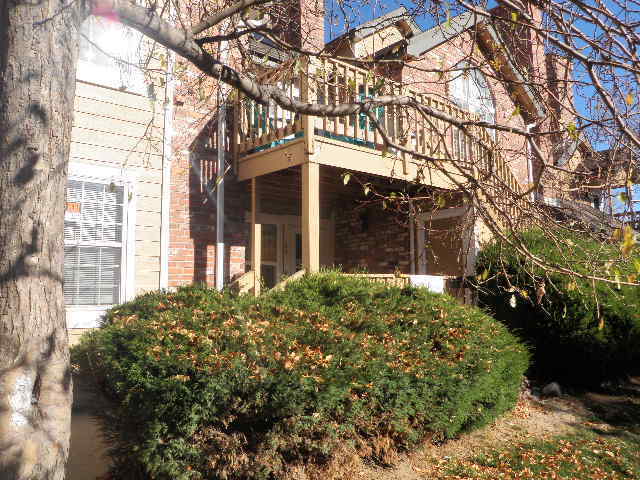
x,y
470,91
93,243
110,55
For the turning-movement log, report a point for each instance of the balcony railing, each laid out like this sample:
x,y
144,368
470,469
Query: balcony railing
x,y
329,81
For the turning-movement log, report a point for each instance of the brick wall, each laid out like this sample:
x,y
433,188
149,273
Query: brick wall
x,y
371,239
301,23
193,221
192,243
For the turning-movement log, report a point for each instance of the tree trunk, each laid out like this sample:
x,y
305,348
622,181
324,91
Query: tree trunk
x,y
38,53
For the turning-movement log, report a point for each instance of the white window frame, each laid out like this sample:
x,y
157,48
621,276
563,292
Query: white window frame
x,y
464,79
88,316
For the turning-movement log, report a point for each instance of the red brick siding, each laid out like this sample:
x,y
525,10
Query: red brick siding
x,y
378,243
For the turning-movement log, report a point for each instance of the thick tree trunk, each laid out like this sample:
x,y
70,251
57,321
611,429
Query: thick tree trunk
x,y
38,52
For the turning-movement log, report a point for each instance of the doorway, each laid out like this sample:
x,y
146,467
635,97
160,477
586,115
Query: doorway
x,y
282,246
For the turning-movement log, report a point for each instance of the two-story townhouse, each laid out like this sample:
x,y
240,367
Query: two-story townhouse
x,y
286,205
143,203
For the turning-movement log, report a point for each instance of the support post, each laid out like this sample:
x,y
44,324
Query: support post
x,y
256,238
308,121
311,217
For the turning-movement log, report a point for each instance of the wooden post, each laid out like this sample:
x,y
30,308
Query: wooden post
x,y
235,137
311,217
256,238
308,121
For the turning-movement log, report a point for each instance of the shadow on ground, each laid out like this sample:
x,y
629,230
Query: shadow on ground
x,y
618,405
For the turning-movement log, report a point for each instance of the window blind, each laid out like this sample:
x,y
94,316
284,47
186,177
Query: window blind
x,y
93,233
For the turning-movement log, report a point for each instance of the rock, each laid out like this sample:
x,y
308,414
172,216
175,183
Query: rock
x,y
552,390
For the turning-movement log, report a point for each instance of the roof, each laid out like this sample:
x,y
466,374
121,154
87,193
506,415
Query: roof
x,y
439,34
372,26
444,32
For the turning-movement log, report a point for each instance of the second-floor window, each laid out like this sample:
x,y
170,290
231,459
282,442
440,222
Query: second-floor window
x,y
110,55
470,91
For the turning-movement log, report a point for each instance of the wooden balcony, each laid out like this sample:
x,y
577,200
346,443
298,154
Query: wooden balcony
x,y
268,138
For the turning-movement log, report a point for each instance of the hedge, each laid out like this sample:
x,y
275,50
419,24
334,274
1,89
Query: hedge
x,y
581,332
204,384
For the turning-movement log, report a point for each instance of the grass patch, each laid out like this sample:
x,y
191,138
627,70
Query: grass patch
x,y
585,455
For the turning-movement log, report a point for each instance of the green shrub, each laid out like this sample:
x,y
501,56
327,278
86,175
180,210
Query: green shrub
x,y
207,385
578,333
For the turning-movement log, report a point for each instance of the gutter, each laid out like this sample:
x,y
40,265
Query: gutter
x,y
220,171
167,155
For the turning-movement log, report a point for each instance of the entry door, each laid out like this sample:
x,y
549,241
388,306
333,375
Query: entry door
x,y
270,256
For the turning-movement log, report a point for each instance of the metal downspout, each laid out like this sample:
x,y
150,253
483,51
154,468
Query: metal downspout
x,y
165,201
532,195
220,169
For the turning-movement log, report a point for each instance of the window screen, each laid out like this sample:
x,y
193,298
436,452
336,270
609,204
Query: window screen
x,y
93,234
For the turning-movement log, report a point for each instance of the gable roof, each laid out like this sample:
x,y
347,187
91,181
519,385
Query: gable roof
x,y
491,43
421,42
440,34
377,24
488,40
372,26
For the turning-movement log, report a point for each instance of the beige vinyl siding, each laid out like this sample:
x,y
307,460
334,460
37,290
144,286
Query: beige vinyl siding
x,y
124,130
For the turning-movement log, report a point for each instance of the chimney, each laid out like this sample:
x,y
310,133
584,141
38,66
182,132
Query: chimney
x,y
304,25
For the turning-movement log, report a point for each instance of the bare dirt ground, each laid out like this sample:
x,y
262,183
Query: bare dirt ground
x,y
531,419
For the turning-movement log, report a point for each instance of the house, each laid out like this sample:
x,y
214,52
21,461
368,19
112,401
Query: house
x,y
146,209
145,203
287,190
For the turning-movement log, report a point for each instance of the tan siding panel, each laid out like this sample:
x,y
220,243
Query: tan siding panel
x,y
114,156
146,265
149,189
147,181
148,246
148,204
148,283
112,140
148,219
148,234
109,110
153,176
98,122
115,97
